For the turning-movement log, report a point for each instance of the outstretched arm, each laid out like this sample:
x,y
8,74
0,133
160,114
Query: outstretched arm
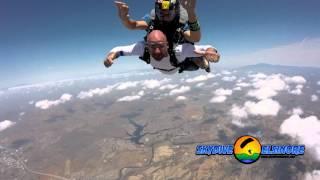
x,y
207,51
211,54
136,49
194,34
123,12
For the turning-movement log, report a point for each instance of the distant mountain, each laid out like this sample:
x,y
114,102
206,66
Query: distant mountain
x,y
270,68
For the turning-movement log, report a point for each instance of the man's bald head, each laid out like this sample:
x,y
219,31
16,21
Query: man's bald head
x,y
157,44
157,36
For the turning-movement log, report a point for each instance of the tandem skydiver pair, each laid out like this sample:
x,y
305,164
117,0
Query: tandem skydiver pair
x,y
172,29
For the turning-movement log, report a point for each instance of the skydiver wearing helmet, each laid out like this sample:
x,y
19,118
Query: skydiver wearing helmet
x,y
169,15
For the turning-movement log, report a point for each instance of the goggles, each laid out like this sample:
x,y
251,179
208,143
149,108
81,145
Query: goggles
x,y
154,45
166,4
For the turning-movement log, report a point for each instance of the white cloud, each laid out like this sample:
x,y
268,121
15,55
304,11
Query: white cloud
x,y
257,76
318,83
94,92
262,93
305,130
267,86
238,122
226,72
296,80
140,93
314,175
197,79
223,92
65,97
128,98
126,85
168,86
215,84
200,78
238,112
181,98
211,75
6,124
297,111
180,90
229,78
296,91
152,83
45,104
221,95
218,99
132,98
200,84
243,84
31,102
314,98
265,107
237,89
306,50
299,86
273,81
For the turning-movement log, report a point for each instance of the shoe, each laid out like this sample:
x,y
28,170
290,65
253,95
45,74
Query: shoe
x,y
208,69
206,65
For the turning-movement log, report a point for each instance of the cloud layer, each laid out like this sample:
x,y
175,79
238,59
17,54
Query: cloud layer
x,y
221,95
6,124
200,78
46,104
94,92
180,90
305,130
129,98
265,107
269,86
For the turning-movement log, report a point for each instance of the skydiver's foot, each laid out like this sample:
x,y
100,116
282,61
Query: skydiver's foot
x,y
208,69
206,66
203,64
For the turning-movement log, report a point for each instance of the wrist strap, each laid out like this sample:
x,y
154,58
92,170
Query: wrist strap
x,y
194,26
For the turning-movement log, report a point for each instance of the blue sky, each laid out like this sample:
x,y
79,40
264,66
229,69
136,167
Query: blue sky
x,y
44,40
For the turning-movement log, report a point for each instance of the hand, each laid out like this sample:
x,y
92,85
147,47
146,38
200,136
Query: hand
x,y
123,10
210,54
189,5
109,60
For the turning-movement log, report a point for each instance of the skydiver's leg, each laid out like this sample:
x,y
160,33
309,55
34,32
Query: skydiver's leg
x,y
194,63
202,63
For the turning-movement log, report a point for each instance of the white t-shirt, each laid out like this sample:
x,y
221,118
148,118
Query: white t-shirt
x,y
181,51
